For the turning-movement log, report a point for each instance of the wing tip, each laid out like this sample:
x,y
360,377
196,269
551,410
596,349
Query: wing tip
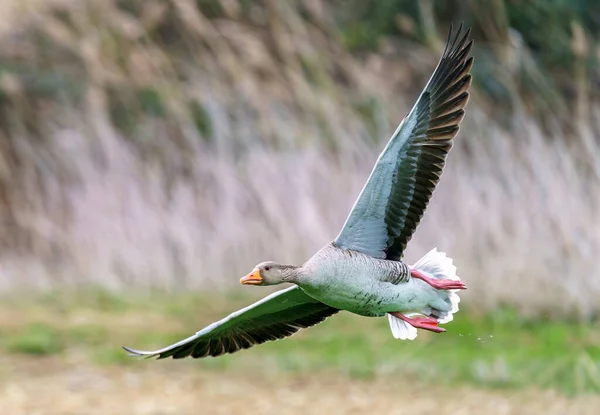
x,y
453,44
139,353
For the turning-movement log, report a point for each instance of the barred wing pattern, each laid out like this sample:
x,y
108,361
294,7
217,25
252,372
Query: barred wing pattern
x,y
276,316
393,200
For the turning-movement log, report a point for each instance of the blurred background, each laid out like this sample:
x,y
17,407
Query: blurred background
x,y
153,151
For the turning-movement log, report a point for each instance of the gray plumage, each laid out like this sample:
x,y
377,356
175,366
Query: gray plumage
x,y
361,271
393,200
276,316
361,284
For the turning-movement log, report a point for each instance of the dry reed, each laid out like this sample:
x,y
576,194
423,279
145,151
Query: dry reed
x,y
169,149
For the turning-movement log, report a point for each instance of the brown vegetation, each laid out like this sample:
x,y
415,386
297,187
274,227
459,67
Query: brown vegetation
x,y
152,143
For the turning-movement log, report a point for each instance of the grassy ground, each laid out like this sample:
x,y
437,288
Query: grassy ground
x,y
54,385
63,387
496,352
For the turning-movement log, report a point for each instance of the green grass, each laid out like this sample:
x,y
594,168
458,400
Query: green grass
x,y
500,350
35,339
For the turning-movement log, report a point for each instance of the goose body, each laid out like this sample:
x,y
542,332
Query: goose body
x,y
361,284
361,270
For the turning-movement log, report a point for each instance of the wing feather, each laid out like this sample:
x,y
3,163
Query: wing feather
x,y
276,316
393,200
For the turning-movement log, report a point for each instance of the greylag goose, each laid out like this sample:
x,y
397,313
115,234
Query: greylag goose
x,y
361,270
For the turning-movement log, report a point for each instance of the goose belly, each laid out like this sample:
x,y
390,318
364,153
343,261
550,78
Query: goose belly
x,y
359,283
360,301
366,296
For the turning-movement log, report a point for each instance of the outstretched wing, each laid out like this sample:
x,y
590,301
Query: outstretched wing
x,y
391,204
276,316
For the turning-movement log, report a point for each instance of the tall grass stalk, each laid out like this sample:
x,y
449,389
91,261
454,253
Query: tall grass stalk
x,y
154,146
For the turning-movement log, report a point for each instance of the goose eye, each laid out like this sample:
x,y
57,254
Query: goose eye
x,y
267,268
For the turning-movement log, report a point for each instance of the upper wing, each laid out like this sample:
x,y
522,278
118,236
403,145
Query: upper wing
x,y
391,204
276,316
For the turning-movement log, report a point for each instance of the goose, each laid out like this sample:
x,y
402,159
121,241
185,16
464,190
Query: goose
x,y
361,270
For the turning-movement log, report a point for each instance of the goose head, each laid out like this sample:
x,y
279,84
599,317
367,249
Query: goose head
x,y
270,273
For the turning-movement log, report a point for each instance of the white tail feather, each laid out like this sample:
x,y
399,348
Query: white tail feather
x,y
401,329
434,264
438,265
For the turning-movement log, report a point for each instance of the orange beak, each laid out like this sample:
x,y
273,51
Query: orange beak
x,y
253,278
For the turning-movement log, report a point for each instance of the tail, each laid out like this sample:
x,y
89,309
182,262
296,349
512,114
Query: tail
x,y
436,265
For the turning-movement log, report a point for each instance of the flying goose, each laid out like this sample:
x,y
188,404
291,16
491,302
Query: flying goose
x,y
361,270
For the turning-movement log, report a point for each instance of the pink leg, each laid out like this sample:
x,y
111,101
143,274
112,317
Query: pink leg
x,y
425,323
438,284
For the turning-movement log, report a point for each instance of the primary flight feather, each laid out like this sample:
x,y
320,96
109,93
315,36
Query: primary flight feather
x,y
361,270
